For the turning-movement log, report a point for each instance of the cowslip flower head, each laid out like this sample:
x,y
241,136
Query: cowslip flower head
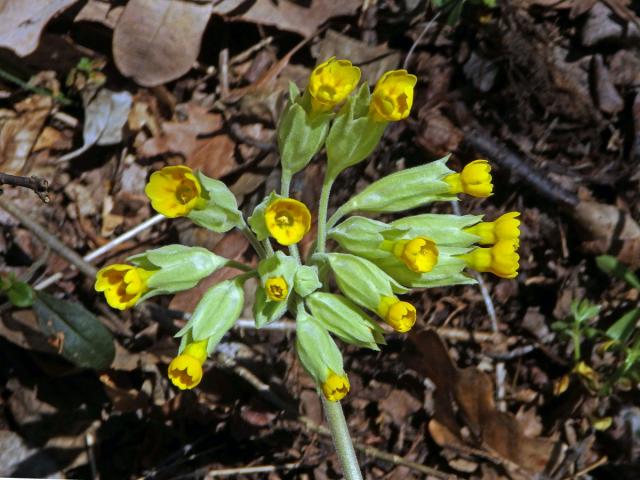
x,y
122,284
175,191
276,289
420,255
474,180
331,83
502,259
392,97
185,371
335,387
399,315
506,227
287,220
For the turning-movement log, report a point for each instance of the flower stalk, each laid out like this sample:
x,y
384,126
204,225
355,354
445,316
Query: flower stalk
x,y
341,439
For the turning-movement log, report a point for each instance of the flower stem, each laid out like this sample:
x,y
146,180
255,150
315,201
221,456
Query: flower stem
x,y
337,215
285,182
341,439
246,231
322,214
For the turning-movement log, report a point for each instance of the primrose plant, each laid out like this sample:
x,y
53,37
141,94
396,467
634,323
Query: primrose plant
x,y
373,264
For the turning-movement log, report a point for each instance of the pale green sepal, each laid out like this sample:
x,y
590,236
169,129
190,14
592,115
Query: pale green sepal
x,y
362,281
256,220
217,311
363,236
300,135
316,349
404,190
221,213
265,310
176,267
448,270
442,229
306,280
353,135
344,319
278,265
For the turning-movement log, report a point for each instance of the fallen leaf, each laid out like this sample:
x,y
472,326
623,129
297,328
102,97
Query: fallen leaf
x,y
182,137
496,432
372,60
22,22
608,229
19,131
291,16
105,115
215,156
156,41
100,12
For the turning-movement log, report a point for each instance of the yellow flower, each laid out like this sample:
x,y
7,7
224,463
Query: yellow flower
x,y
335,387
474,180
419,255
331,83
185,371
287,220
277,289
122,284
506,227
501,259
175,191
399,315
393,96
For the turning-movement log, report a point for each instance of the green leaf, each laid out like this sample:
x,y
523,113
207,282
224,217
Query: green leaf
x,y
20,294
614,268
80,336
623,328
560,326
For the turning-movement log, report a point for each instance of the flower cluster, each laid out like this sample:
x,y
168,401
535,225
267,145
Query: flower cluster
x,y
374,264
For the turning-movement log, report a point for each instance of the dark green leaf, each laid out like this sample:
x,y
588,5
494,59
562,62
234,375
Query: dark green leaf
x,y
79,335
613,267
623,328
20,294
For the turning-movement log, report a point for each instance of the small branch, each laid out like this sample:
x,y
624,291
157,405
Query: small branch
x,y
49,239
39,185
232,472
482,142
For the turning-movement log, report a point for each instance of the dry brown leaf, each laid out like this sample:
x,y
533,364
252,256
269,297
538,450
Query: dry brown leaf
x,y
19,131
290,16
609,229
156,41
22,22
100,12
214,156
182,137
372,60
498,433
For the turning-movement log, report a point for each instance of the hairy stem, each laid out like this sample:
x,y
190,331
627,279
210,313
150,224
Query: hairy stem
x,y
341,439
322,214
255,243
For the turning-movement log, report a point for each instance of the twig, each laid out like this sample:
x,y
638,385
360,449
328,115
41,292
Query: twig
x,y
405,64
106,248
39,185
482,142
588,468
269,395
228,472
49,239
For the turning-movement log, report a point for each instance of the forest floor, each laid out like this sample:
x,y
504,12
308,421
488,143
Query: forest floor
x,y
97,94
